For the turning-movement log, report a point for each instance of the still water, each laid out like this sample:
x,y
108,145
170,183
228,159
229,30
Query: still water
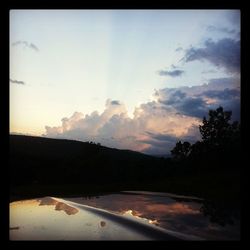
x,y
122,216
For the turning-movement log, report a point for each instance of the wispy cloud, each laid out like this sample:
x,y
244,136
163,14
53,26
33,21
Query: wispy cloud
x,y
221,29
208,71
172,73
26,44
178,49
17,82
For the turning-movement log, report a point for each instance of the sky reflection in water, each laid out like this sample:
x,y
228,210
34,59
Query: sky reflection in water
x,y
181,215
52,219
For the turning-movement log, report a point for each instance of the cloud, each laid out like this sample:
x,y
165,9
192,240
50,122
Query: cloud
x,y
229,99
221,29
162,144
234,17
33,46
17,82
193,106
157,125
114,128
187,105
224,53
179,49
197,100
173,73
26,45
115,102
173,66
223,83
159,143
226,94
211,71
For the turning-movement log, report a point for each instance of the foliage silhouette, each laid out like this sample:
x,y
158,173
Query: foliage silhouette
x,y
181,150
219,138
217,131
219,213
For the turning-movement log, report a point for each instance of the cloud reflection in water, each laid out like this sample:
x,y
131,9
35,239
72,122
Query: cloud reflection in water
x,y
58,205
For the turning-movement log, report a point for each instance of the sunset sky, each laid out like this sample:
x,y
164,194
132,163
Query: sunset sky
x,y
129,79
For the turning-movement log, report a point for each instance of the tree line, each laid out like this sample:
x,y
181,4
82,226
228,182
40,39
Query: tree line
x,y
220,137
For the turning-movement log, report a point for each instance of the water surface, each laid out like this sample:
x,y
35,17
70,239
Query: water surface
x,y
122,216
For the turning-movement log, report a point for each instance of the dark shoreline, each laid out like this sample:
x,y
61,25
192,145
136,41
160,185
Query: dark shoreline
x,y
225,189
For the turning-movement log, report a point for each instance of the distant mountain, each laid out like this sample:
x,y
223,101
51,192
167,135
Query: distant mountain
x,y
56,161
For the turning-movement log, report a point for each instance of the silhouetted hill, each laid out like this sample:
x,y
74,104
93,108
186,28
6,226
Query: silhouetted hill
x,y
42,166
56,161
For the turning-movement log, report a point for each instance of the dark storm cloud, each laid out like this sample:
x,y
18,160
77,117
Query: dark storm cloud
x,y
173,73
223,53
26,45
17,82
115,102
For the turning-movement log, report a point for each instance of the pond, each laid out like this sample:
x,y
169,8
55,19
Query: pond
x,y
122,216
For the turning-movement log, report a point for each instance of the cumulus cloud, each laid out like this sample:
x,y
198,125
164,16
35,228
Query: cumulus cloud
x,y
114,128
224,53
26,44
156,125
17,82
172,73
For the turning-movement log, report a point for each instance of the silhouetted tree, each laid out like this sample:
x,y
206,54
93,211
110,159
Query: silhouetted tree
x,y
181,150
219,213
217,130
198,149
218,135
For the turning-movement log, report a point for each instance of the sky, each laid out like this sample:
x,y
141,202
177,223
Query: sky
x,y
129,79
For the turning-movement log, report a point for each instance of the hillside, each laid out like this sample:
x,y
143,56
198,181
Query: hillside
x,y
42,166
53,161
